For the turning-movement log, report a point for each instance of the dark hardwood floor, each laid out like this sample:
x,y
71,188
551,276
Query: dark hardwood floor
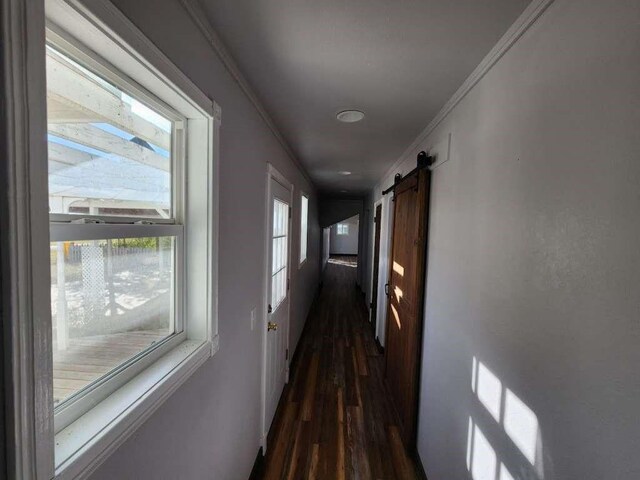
x,y
334,420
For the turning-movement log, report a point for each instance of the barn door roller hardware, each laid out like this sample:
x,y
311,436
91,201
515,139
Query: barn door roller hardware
x,y
423,161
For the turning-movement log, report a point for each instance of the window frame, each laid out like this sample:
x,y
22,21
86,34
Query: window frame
x,y
341,227
35,449
64,43
305,234
65,227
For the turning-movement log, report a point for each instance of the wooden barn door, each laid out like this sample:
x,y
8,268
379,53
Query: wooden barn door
x,y
405,290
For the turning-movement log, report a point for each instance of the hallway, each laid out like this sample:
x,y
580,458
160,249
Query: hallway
x,y
334,419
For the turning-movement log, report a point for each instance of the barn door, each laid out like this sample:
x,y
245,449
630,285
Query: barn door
x,y
405,303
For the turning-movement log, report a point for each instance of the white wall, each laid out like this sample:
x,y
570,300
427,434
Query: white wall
x,y
534,265
345,244
210,427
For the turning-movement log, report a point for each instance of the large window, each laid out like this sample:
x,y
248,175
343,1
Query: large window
x,y
116,230
304,222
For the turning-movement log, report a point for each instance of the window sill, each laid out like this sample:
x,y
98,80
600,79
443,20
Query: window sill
x,y
82,446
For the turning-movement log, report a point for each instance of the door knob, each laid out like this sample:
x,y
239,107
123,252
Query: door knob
x,y
271,326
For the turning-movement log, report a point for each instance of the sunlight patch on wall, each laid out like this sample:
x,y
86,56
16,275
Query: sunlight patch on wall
x,y
474,374
521,424
483,459
469,440
504,473
489,391
518,423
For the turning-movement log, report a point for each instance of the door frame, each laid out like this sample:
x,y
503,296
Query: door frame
x,y
272,174
373,257
386,232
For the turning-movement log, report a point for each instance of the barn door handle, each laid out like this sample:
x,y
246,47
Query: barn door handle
x,y
386,289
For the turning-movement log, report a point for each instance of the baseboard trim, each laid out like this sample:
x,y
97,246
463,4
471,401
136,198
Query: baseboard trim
x,y
258,466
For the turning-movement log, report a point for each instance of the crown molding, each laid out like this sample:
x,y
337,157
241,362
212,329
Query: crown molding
x,y
198,16
530,15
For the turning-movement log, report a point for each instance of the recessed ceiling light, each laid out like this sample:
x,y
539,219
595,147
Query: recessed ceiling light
x,y
350,116
345,172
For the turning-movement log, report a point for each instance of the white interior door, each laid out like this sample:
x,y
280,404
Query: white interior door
x,y
278,296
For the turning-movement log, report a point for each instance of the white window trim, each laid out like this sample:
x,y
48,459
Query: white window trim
x,y
301,263
35,452
63,227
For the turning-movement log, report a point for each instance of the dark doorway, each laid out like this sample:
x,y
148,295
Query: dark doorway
x,y
403,341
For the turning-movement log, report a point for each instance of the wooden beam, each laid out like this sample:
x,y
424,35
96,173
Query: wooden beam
x,y
73,96
65,156
91,136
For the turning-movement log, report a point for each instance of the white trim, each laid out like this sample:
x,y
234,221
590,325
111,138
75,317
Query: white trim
x,y
87,442
272,173
108,20
198,16
301,263
530,15
213,230
72,217
62,232
25,233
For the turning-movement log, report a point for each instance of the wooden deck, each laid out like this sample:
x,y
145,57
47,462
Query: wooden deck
x,y
89,358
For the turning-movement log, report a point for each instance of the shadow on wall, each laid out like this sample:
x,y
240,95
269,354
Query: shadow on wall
x,y
504,441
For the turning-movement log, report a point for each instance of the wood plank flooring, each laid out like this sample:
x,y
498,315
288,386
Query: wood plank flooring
x,y
334,420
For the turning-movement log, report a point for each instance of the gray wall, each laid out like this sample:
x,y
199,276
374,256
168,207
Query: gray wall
x,y
210,428
3,226
534,265
333,210
345,244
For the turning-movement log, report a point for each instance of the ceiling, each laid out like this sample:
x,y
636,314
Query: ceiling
x,y
399,61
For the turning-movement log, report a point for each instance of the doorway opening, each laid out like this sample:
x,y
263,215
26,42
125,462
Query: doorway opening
x,y
343,241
